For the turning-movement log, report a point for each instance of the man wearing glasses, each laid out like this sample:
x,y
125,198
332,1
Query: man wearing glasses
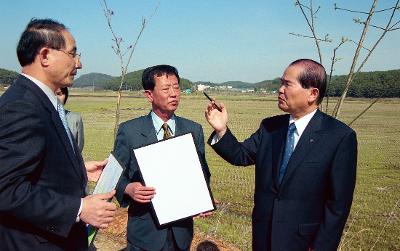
x,y
43,205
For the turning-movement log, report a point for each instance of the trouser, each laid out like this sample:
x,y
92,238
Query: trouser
x,y
169,245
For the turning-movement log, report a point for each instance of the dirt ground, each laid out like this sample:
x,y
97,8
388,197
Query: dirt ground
x,y
114,238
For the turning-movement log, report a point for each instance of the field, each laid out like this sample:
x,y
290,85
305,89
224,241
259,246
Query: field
x,y
374,222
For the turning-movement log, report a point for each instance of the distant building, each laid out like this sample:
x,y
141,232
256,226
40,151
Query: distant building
x,y
225,87
201,87
248,90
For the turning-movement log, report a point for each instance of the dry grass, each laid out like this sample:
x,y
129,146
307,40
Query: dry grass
x,y
374,221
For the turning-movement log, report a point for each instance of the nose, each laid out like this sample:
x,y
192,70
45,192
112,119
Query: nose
x,y
78,63
281,88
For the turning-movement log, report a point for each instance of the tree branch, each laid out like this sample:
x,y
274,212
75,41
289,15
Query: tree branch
x,y
339,104
311,24
121,55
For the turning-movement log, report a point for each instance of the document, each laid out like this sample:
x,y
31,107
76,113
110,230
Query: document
x,y
107,182
173,168
109,177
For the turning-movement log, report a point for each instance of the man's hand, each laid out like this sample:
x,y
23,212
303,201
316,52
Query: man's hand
x,y
140,193
218,120
96,211
94,169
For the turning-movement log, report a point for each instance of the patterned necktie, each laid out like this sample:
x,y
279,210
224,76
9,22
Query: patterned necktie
x,y
167,133
289,147
61,113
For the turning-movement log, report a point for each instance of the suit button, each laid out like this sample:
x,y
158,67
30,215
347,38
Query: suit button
x,y
52,229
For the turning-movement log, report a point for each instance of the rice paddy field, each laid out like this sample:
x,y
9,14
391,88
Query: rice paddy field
x,y
374,222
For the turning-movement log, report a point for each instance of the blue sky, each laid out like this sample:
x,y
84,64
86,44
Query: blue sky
x,y
207,40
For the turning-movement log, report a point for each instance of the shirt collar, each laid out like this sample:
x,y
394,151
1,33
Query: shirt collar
x,y
302,122
49,92
158,122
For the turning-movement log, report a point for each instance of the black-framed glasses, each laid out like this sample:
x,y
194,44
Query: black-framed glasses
x,y
73,54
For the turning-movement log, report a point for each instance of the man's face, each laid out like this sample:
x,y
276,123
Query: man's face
x,y
61,96
293,98
64,63
165,96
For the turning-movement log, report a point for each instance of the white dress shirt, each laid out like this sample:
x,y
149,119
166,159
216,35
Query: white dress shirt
x,y
301,125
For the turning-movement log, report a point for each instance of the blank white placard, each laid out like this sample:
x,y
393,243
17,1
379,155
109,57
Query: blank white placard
x,y
173,168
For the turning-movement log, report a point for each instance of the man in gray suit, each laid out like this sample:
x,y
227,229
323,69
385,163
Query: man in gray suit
x,y
74,119
161,85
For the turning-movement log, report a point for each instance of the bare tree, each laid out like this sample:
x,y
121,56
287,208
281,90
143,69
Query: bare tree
x,y
391,26
124,53
333,62
310,18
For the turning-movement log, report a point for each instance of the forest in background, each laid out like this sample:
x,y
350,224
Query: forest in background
x,y
384,84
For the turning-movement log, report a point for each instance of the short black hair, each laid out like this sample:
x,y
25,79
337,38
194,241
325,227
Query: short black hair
x,y
313,75
157,71
64,90
38,34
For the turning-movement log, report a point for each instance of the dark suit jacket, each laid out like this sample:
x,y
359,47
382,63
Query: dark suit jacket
x,y
143,231
42,181
310,207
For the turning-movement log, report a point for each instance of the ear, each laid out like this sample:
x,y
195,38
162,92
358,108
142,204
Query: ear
x,y
313,96
149,95
44,56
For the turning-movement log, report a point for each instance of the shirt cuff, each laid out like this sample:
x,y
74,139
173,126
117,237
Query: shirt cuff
x,y
214,140
79,212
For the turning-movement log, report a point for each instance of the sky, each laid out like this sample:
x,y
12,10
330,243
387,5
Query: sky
x,y
207,40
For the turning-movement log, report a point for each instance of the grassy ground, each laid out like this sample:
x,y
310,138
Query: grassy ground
x,y
374,222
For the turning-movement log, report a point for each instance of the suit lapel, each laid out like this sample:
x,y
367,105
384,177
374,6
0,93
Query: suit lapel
x,y
306,142
148,131
44,100
179,128
73,156
149,134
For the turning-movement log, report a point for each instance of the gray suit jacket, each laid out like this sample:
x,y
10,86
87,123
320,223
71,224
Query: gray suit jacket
x,y
75,124
142,228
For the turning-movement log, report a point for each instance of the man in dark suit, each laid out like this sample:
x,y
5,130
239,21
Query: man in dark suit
x,y
161,87
305,165
43,205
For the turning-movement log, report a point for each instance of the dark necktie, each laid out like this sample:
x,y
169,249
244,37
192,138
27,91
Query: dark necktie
x,y
167,134
289,147
61,113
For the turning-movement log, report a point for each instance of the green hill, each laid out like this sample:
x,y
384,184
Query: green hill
x,y
238,84
7,77
268,85
133,81
366,84
98,80
385,84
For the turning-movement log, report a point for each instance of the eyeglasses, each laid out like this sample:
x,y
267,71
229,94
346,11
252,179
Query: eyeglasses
x,y
73,54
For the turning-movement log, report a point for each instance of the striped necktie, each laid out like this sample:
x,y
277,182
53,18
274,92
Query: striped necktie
x,y
61,113
167,133
289,148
